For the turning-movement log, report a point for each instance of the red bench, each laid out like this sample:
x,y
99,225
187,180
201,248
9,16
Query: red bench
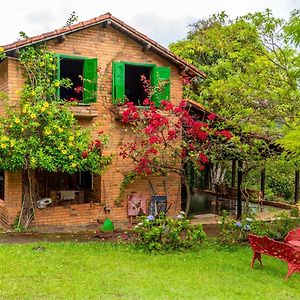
x,y
283,251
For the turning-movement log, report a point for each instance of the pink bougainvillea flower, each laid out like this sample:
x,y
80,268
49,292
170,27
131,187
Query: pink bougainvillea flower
x,y
212,117
224,133
203,158
78,89
146,101
201,168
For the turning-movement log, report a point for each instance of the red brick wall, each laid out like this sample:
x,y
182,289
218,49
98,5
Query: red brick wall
x,y
12,195
3,80
107,44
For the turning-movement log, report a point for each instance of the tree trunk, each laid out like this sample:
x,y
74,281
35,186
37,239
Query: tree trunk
x,y
28,200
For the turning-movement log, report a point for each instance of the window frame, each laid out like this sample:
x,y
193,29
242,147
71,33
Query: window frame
x,y
60,56
152,78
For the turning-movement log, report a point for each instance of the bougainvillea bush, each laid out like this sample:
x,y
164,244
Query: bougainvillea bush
x,y
167,138
162,233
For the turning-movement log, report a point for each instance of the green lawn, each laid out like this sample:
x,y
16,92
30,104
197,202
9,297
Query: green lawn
x,y
105,271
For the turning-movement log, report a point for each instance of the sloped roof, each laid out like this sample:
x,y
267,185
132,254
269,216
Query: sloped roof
x,y
107,19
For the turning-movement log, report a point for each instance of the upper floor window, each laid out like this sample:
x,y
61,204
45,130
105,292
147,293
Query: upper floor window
x,y
82,72
127,83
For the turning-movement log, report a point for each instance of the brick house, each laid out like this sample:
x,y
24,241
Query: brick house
x,y
122,55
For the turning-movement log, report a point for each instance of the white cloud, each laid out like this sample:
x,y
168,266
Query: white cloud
x,y
163,21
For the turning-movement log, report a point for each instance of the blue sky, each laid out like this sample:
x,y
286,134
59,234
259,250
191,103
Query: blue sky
x,y
164,21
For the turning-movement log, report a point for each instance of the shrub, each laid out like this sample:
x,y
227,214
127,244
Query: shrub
x,y
163,233
233,232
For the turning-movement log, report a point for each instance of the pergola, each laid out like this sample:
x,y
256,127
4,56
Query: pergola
x,y
200,113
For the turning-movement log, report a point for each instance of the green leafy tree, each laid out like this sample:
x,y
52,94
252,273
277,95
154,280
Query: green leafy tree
x,y
42,133
252,65
252,69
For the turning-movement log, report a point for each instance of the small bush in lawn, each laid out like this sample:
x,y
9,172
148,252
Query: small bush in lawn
x,y
163,233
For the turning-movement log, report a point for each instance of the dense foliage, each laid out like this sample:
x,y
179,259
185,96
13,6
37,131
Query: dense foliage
x,y
253,74
252,69
163,233
234,232
46,136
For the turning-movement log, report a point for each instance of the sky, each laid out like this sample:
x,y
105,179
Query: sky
x,y
164,21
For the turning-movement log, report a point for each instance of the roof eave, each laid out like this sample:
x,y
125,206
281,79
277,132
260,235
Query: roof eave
x,y
185,68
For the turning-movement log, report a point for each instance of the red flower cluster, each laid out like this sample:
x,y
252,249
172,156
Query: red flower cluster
x,y
156,122
143,166
85,154
78,89
130,114
172,134
167,105
212,117
203,158
153,139
224,133
156,133
95,145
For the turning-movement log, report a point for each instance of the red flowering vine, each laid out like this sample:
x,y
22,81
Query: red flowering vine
x,y
167,138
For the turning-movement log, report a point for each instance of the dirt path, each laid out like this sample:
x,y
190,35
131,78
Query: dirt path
x,y
30,237
81,237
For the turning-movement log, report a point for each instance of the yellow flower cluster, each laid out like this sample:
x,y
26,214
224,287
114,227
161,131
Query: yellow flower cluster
x,y
47,131
3,140
44,106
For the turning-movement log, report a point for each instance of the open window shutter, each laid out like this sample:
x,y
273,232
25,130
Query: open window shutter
x,y
57,59
118,88
90,80
160,74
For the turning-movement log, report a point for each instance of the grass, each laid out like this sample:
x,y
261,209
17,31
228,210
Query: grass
x,y
106,271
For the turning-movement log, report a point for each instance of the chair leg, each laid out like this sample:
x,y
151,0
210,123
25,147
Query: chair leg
x,y
291,270
257,256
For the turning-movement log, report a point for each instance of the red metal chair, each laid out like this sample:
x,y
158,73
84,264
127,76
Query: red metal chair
x,y
293,235
283,251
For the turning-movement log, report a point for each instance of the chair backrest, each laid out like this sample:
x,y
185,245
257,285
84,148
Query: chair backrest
x,y
293,235
265,245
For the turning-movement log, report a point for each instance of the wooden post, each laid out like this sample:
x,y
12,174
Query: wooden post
x,y
263,182
296,186
207,178
239,189
233,172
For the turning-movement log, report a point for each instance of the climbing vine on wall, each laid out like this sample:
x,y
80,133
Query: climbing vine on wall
x,y
42,133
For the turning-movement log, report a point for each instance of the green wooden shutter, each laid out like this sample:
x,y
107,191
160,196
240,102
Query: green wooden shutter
x,y
57,59
161,74
118,88
90,80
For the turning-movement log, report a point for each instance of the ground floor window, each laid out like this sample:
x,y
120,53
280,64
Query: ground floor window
x,y
64,189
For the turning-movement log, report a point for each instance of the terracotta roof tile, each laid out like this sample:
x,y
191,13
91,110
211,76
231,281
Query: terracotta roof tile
x,y
191,70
